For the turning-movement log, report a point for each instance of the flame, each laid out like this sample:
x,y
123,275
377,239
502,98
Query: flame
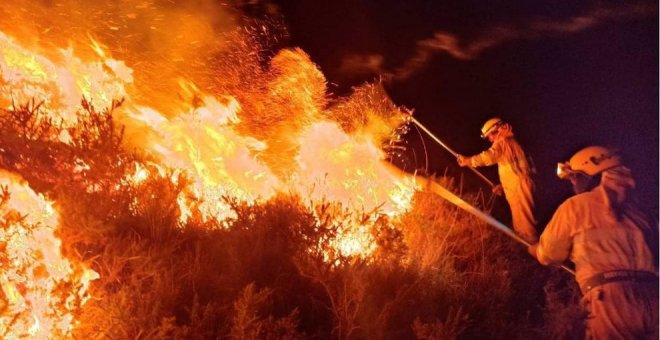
x,y
355,241
350,170
28,75
203,143
210,110
140,175
258,132
41,290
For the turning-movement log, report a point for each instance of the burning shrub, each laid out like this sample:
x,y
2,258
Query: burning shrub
x,y
266,210
41,290
273,262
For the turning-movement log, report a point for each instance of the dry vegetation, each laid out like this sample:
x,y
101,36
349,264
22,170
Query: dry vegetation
x,y
438,273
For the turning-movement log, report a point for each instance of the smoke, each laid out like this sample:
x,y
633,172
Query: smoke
x,y
356,64
162,41
494,36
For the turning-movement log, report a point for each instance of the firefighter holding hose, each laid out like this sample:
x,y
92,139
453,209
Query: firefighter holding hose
x,y
613,244
515,171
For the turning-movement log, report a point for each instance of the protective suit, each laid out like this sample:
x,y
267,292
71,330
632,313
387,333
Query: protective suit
x,y
614,247
515,171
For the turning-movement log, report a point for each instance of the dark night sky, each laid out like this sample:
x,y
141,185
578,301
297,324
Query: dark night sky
x,y
568,75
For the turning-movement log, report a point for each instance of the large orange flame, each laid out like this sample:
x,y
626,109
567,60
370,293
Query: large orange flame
x,y
40,289
322,161
28,75
271,131
246,128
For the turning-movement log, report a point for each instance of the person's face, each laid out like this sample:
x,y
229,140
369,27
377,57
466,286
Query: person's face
x,y
491,136
580,182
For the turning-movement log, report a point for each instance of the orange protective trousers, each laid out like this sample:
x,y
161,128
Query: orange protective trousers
x,y
515,170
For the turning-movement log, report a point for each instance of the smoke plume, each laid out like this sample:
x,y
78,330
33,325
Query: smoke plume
x,y
492,37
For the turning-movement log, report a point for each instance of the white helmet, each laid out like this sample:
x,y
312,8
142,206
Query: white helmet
x,y
589,161
490,126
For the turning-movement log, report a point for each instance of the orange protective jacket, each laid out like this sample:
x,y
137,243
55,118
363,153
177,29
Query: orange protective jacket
x,y
515,171
601,231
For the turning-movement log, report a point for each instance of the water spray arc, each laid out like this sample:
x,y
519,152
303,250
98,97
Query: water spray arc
x,y
437,140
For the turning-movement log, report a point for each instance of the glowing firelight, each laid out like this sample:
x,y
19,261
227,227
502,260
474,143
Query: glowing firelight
x,y
278,137
358,240
41,290
26,75
245,128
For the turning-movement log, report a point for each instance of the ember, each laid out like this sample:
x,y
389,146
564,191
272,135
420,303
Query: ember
x,y
206,182
206,140
277,134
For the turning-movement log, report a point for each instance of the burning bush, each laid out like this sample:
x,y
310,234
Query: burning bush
x,y
41,291
264,211
267,272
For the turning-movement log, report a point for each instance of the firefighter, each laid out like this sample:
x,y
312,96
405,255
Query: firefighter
x,y
612,243
515,171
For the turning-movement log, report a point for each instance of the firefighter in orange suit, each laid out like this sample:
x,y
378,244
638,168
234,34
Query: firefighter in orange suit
x,y
613,244
515,170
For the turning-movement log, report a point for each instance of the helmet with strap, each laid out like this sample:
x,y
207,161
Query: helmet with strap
x,y
491,126
589,161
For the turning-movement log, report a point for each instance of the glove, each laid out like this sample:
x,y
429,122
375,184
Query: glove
x,y
462,160
498,190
